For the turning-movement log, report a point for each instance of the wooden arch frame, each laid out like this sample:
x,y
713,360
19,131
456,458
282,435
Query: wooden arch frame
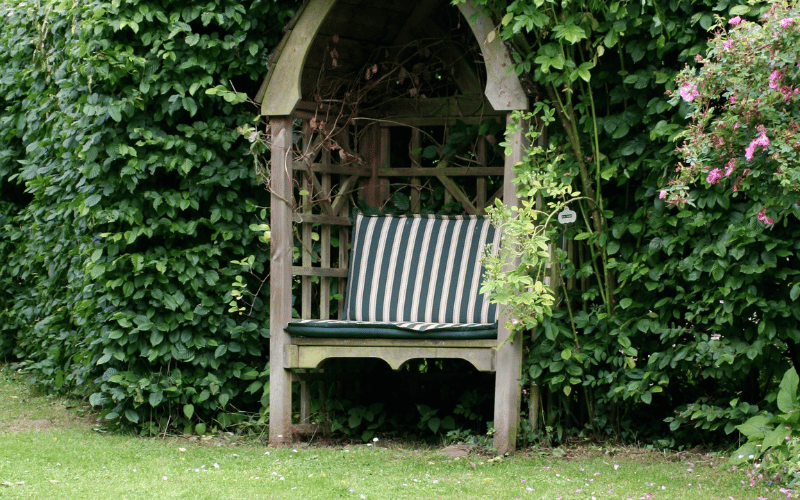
x,y
279,96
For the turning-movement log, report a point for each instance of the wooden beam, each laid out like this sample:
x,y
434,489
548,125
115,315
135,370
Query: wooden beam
x,y
321,219
335,169
310,356
508,393
503,88
328,272
282,86
280,299
436,172
461,107
458,194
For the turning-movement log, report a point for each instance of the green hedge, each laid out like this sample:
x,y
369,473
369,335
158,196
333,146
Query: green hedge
x,y
127,196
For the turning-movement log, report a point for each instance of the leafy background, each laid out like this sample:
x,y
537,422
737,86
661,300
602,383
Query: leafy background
x,y
127,193
126,197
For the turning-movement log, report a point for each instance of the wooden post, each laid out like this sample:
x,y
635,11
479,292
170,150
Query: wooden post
x,y
508,392
280,298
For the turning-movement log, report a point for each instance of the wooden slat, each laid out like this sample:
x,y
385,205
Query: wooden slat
x,y
323,196
481,156
453,190
305,284
340,202
322,219
330,272
321,168
416,158
436,172
325,253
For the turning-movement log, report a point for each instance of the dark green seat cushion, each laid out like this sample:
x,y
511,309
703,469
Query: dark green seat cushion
x,y
338,329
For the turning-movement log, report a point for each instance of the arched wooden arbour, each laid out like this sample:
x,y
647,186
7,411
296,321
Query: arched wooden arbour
x,y
318,164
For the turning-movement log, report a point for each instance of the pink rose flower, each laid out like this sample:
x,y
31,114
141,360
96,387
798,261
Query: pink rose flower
x,y
773,79
727,43
762,216
735,20
786,22
714,176
761,140
662,194
729,167
689,92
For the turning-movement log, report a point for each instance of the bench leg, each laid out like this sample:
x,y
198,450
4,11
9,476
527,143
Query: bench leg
x,y
280,405
305,402
507,395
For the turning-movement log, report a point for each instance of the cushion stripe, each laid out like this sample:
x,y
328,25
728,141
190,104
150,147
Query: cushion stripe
x,y
421,269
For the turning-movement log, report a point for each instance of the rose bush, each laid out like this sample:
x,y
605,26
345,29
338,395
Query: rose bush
x,y
744,107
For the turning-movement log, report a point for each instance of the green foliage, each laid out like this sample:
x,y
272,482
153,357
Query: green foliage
x,y
660,314
136,188
356,420
773,441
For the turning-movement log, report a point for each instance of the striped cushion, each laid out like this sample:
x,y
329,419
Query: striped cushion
x,y
319,328
420,269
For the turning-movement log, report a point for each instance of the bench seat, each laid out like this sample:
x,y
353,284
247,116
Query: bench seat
x,y
340,329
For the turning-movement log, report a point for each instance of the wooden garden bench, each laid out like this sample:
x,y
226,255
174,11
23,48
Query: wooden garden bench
x,y
326,153
413,292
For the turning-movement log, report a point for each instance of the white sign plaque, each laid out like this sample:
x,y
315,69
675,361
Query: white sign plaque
x,y
567,216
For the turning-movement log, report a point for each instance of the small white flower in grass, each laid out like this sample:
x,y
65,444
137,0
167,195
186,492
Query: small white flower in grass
x,y
181,449
294,451
216,466
529,488
616,466
375,440
266,453
163,478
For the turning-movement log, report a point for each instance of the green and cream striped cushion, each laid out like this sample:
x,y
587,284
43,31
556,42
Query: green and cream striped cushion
x,y
413,277
421,269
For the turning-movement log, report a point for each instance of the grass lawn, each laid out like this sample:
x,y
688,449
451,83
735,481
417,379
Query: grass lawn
x,y
51,451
